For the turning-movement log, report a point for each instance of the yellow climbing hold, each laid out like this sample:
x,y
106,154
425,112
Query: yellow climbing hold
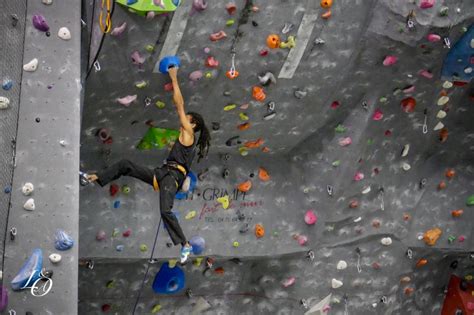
x,y
230,107
172,263
468,277
224,201
197,262
190,215
290,43
208,75
160,104
236,244
150,48
141,84
243,151
243,117
156,308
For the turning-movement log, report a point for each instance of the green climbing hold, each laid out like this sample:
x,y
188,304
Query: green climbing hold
x,y
141,84
230,107
126,189
443,11
470,201
230,22
383,99
451,239
275,233
150,48
156,308
115,232
340,128
143,248
160,104
336,163
370,141
110,284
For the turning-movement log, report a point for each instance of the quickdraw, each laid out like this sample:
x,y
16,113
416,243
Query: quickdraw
x,y
232,73
107,27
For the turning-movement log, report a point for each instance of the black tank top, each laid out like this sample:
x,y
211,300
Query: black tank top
x,y
182,154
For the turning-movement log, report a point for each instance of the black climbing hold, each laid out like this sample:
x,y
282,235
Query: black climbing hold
x,y
365,105
236,261
216,126
15,19
37,119
226,173
310,255
48,33
254,23
225,157
422,183
454,264
134,122
231,141
240,215
226,93
48,273
304,303
252,175
357,250
29,313
13,232
244,228
169,244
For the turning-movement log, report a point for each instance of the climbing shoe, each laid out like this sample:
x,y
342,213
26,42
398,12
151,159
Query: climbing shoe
x,y
186,250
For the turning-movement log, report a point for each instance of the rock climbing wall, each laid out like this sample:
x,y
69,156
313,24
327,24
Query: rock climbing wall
x,y
362,137
44,189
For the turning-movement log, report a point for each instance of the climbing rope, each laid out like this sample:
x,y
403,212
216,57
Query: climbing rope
x,y
150,261
108,18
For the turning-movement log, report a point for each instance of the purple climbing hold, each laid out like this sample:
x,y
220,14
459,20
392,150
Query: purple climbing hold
x,y
40,23
3,298
100,236
127,100
199,5
117,31
137,59
195,75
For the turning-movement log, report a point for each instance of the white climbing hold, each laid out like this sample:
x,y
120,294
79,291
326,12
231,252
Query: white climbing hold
x,y
406,149
29,204
62,143
341,265
441,114
31,66
27,189
366,190
127,100
447,85
1,275
47,2
186,184
386,241
406,166
468,70
64,33
472,43
439,126
4,102
336,283
443,100
55,258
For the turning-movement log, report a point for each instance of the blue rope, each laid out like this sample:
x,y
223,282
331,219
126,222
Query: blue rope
x,y
147,269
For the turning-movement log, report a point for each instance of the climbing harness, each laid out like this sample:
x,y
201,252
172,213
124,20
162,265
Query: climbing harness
x,y
105,25
425,126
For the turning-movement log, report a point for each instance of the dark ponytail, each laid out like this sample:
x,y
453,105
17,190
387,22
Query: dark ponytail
x,y
204,136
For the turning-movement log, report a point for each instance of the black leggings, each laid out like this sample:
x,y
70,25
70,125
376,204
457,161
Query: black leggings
x,y
169,180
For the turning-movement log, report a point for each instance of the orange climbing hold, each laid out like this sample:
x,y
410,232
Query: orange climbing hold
x,y
259,230
258,94
442,185
254,144
245,186
450,173
219,270
243,126
443,135
273,41
326,4
326,15
265,149
408,291
232,74
431,236
457,213
408,104
263,174
421,262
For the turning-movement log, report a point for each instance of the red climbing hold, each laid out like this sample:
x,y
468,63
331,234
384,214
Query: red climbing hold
x,y
106,308
390,60
211,62
378,115
335,104
310,217
218,36
443,135
231,8
442,185
114,189
450,173
219,270
408,104
353,204
168,87
254,144
263,52
127,233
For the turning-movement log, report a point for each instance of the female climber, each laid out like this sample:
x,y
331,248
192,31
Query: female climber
x,y
168,178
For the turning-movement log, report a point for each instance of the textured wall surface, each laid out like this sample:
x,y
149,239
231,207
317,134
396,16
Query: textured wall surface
x,y
47,154
350,93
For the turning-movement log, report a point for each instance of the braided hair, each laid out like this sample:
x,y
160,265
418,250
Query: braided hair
x,y
204,136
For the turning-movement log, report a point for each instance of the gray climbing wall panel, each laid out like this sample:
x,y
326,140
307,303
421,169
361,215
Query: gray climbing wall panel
x,y
350,93
47,155
11,31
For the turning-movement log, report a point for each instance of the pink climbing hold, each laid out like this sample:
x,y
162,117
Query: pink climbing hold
x,y
461,238
100,236
150,15
390,60
335,104
39,22
302,240
433,38
159,3
207,50
211,62
358,176
218,36
409,89
137,59
127,233
117,31
426,4
168,87
231,8
127,100
288,282
378,115
426,73
310,217
195,75
199,5
344,142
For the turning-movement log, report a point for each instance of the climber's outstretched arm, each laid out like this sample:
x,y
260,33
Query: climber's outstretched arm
x,y
179,101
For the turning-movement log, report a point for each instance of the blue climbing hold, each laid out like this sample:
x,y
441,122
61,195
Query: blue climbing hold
x,y
180,195
169,280
169,62
129,2
198,243
117,204
458,64
7,84
119,248
176,2
63,240
30,272
7,190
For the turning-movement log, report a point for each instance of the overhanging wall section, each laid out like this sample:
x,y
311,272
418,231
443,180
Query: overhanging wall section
x,y
48,156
